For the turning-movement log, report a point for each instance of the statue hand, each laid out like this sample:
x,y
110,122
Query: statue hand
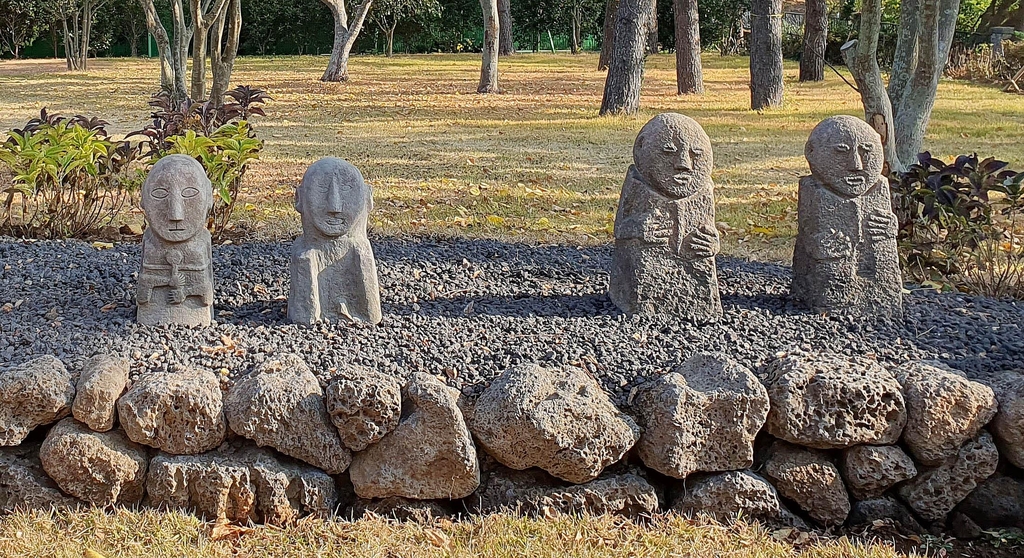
x,y
705,243
882,225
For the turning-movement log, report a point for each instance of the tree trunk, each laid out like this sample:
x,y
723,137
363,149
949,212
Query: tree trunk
x,y
506,46
576,22
224,49
204,15
689,73
344,37
489,57
765,54
652,31
812,59
172,57
389,36
1002,13
626,67
608,37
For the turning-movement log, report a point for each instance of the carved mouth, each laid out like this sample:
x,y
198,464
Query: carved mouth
x,y
177,229
683,179
856,180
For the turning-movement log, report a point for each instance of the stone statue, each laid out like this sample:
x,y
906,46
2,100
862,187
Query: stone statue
x,y
333,272
845,259
176,282
665,236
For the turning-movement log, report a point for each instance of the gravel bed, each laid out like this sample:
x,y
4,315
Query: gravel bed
x,y
465,310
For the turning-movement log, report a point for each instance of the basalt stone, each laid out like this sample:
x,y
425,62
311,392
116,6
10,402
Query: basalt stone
x,y
704,416
102,468
885,508
401,509
831,402
871,470
180,412
933,493
810,479
24,485
557,419
176,281
665,234
37,393
944,409
428,456
845,261
281,405
363,405
1008,425
333,271
528,492
103,380
726,496
998,502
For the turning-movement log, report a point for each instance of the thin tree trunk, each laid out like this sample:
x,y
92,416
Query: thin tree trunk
x,y
344,37
389,35
182,36
506,46
489,56
204,15
626,67
652,31
608,37
765,54
224,49
689,72
812,59
575,23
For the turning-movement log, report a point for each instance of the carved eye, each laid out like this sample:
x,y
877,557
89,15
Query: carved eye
x,y
867,147
159,193
696,151
669,148
842,148
190,192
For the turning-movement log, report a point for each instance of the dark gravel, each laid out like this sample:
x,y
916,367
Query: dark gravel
x,y
465,310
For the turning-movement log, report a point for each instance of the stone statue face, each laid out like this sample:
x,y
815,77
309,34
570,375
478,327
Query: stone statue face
x,y
673,154
177,198
845,155
333,198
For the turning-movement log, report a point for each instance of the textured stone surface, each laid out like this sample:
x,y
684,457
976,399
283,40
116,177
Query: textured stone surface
x,y
401,509
239,482
701,417
885,508
826,402
809,478
933,493
180,412
871,470
37,393
364,405
1008,425
102,468
997,502
557,419
104,378
429,456
280,404
665,235
333,272
534,494
725,496
845,261
944,409
176,281
24,484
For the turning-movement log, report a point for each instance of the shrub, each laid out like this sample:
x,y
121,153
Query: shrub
x,y
961,224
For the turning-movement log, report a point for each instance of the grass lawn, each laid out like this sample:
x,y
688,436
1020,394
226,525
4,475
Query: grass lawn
x,y
535,162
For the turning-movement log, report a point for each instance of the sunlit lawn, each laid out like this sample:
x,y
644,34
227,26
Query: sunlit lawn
x,y
534,162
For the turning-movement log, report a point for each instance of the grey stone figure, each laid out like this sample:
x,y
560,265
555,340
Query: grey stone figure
x,y
665,235
176,282
333,272
845,259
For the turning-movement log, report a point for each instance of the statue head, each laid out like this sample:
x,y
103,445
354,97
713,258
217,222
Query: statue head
x,y
673,154
333,199
177,198
845,155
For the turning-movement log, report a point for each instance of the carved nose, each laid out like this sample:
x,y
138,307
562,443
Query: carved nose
x,y
177,210
684,161
858,162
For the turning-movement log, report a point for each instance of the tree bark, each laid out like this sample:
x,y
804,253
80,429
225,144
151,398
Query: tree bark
x,y
689,72
608,36
652,31
506,46
389,36
626,67
765,54
576,23
344,37
172,57
812,59
489,56
224,49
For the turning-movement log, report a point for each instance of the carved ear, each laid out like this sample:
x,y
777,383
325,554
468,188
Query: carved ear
x,y
298,197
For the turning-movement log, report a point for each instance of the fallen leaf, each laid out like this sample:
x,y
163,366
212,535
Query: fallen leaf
x,y
89,553
102,245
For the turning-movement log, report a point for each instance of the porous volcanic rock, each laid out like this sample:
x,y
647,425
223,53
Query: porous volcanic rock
x,y
944,409
401,509
997,502
1008,425
831,402
933,493
704,416
879,509
810,479
535,493
37,393
103,380
24,485
281,405
102,468
364,405
557,419
180,412
724,496
430,454
871,470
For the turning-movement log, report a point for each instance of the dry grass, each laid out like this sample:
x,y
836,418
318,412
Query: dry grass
x,y
535,162
174,535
